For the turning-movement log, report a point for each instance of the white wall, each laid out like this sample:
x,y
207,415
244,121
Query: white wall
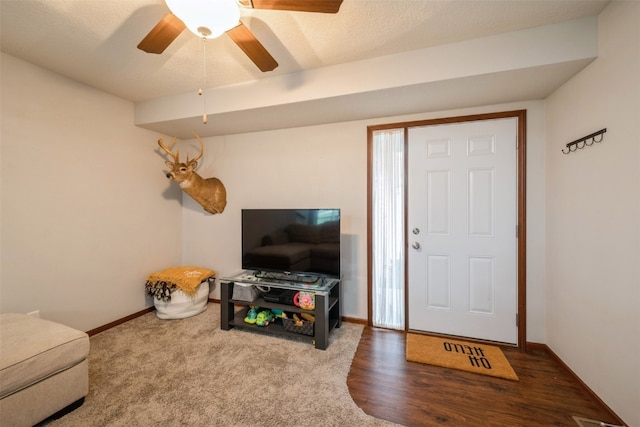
x,y
319,166
326,166
85,212
593,216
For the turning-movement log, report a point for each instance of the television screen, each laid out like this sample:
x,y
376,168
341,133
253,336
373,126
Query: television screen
x,y
291,241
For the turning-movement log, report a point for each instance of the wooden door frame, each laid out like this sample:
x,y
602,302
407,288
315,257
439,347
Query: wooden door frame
x,y
521,116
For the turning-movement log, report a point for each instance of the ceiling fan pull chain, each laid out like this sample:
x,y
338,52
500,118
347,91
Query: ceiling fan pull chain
x,y
204,79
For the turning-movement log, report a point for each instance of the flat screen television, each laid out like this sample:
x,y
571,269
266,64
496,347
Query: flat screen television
x,y
291,241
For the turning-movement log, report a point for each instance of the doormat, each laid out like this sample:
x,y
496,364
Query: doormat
x,y
466,356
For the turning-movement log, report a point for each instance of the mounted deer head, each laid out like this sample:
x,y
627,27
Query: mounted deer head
x,y
209,193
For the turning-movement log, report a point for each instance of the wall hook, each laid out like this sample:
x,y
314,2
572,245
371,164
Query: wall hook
x,y
584,141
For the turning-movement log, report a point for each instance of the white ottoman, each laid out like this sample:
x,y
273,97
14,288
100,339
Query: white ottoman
x,y
43,368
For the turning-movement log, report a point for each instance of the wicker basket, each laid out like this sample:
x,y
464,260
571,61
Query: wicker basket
x,y
245,292
305,329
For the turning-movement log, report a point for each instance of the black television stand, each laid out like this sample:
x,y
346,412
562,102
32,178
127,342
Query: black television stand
x,y
326,292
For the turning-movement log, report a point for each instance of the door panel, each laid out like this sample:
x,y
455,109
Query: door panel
x,y
462,216
438,203
438,282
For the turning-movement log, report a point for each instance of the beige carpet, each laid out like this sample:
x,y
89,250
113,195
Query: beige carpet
x,y
189,372
466,356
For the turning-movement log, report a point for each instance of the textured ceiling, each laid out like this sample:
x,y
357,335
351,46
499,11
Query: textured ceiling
x,y
94,42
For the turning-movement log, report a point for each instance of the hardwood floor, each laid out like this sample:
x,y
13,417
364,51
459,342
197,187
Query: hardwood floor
x,y
383,384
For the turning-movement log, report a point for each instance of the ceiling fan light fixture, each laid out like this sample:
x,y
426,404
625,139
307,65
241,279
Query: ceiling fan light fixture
x,y
206,18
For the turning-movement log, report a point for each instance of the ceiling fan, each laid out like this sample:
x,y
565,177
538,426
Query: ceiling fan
x,y
181,17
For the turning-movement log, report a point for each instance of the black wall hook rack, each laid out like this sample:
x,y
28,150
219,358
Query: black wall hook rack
x,y
584,141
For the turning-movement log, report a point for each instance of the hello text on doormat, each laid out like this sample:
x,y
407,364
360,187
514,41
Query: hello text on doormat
x,y
462,355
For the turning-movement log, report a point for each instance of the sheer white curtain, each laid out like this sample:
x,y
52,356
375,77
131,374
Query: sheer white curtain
x,y
388,228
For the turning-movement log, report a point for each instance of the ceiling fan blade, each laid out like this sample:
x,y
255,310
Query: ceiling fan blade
x,y
161,36
322,6
252,47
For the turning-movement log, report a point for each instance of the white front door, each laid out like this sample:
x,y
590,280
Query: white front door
x,y
462,238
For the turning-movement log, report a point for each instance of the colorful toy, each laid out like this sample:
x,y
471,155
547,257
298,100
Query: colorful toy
x,y
278,314
264,318
252,315
305,300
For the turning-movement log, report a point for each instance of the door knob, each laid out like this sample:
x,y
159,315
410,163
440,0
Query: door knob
x,y
415,245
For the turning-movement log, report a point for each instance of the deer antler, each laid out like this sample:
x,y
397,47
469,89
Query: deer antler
x,y
201,148
168,149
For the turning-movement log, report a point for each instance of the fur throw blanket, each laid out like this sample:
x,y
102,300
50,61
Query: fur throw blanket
x,y
161,284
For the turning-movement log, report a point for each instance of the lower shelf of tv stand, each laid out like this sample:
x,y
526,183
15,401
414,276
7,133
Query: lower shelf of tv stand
x,y
326,313
277,328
